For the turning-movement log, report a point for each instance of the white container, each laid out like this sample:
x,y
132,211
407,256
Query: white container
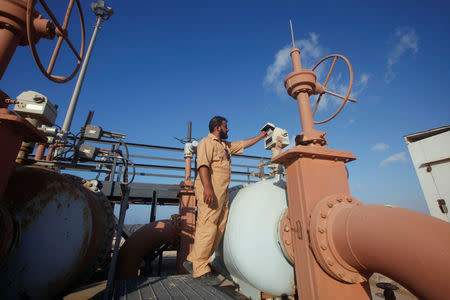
x,y
430,153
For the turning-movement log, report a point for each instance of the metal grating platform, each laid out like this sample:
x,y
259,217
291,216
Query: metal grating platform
x,y
170,287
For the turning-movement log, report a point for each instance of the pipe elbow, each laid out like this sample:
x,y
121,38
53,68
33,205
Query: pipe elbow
x,y
136,247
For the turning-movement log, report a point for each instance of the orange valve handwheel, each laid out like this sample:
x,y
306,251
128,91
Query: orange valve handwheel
x,y
323,90
62,33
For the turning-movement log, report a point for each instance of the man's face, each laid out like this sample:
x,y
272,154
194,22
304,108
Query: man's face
x,y
223,130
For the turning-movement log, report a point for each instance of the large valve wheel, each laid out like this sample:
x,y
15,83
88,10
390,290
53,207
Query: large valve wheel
x,y
62,33
325,91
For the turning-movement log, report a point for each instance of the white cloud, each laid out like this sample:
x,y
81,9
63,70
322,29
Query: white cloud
x,y
340,86
394,158
277,71
360,85
380,147
406,40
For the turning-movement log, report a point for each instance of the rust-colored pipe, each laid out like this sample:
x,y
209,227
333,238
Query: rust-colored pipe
x,y
409,247
8,44
40,152
137,246
187,169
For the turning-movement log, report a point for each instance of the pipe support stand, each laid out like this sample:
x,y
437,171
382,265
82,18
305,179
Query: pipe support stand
x,y
322,238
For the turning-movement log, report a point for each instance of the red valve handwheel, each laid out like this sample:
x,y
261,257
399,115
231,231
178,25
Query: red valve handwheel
x,y
62,33
346,97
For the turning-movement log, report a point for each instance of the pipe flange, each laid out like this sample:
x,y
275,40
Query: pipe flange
x,y
322,242
285,236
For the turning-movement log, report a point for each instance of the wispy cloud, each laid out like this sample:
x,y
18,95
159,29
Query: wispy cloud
x,y
360,85
311,50
406,40
399,157
380,147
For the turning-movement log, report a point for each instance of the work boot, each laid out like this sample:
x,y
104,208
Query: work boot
x,y
208,279
188,266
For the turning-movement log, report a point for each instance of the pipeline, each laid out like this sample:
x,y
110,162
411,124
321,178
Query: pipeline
x,y
409,247
62,230
148,237
381,239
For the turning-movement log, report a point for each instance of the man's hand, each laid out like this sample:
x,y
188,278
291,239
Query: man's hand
x,y
208,195
263,134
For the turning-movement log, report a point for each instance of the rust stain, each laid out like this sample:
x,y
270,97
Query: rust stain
x,y
43,187
47,186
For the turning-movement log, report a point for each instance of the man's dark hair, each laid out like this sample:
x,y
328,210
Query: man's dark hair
x,y
216,121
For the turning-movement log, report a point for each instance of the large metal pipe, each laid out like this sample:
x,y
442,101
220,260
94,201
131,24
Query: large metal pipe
x,y
409,247
8,44
64,229
137,246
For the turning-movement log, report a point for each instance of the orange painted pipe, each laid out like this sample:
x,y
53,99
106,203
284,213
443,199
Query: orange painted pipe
x,y
137,246
408,247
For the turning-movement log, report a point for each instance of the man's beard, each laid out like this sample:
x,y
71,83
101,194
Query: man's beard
x,y
223,135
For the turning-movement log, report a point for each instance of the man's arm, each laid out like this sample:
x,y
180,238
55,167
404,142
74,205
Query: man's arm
x,y
205,177
250,142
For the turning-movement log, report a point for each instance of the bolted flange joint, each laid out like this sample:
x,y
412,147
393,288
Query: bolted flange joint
x,y
301,81
285,242
322,242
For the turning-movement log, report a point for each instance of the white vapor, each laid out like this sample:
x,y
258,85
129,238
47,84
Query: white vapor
x,y
394,158
406,39
277,71
380,147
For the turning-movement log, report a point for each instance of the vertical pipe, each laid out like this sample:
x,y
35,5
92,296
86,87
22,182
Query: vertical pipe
x,y
112,268
189,133
153,210
113,167
40,152
296,61
304,106
76,92
160,262
187,169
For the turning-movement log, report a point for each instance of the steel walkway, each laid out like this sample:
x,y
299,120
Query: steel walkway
x,y
168,287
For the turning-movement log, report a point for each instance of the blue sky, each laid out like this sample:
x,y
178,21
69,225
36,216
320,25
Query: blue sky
x,y
158,64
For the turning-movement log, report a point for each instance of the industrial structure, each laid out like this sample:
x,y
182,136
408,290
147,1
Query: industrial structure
x,y
307,236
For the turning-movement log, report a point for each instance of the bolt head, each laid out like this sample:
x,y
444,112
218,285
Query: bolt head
x,y
323,246
286,228
330,204
330,261
321,230
349,199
